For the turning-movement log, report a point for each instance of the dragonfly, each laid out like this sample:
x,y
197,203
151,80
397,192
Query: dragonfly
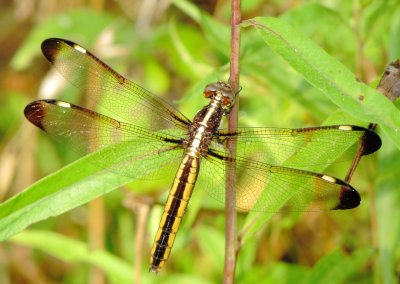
x,y
147,138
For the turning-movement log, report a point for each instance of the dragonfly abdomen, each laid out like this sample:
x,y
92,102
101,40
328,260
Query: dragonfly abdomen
x,y
174,210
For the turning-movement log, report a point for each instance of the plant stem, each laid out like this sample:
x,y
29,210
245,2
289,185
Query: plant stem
x,y
96,231
231,235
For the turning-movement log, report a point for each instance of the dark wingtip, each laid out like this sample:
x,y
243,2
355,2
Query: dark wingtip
x,y
349,198
52,46
372,142
35,112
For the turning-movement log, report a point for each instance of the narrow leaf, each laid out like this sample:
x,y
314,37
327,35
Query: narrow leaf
x,y
329,75
70,187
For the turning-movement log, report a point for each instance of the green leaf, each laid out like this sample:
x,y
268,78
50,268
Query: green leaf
x,y
70,187
329,75
70,250
316,21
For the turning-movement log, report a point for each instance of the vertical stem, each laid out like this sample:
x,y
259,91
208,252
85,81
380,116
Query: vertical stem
x,y
141,208
231,238
96,231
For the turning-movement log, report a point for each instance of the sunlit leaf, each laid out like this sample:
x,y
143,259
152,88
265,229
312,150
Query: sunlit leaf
x,y
329,75
72,186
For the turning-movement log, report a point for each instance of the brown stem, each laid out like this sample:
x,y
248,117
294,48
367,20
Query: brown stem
x,y
96,231
140,207
231,238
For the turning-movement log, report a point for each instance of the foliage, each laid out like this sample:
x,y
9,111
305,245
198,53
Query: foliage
x,y
297,69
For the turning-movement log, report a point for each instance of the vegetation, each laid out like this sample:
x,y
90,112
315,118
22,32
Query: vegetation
x,y
299,61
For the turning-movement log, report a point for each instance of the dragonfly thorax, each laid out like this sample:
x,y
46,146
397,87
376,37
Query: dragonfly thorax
x,y
205,124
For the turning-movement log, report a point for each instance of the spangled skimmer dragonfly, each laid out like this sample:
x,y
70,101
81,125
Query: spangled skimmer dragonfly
x,y
156,138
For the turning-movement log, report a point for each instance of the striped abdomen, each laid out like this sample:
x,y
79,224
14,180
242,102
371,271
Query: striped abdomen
x,y
175,208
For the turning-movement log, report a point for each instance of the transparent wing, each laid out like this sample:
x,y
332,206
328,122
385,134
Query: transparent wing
x,y
110,91
292,147
126,149
273,167
262,187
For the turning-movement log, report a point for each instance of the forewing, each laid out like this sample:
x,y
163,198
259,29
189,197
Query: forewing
x,y
311,148
109,90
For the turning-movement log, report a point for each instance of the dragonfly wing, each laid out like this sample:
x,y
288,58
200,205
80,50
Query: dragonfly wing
x,y
126,149
292,147
267,188
109,90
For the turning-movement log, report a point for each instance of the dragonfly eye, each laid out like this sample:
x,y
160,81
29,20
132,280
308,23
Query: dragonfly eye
x,y
210,90
227,97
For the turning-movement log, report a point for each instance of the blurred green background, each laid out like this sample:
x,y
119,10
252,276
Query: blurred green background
x,y
174,48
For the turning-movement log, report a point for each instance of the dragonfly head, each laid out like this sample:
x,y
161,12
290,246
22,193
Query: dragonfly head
x,y
222,92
